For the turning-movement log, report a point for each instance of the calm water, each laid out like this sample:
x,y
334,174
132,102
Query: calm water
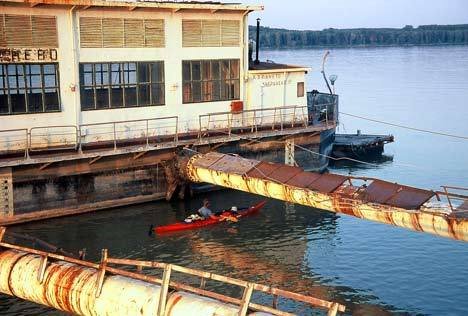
x,y
373,268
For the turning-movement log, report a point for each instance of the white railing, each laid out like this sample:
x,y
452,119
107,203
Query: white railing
x,y
154,131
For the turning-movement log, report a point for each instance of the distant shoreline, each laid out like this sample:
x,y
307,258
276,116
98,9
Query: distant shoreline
x,y
423,35
365,46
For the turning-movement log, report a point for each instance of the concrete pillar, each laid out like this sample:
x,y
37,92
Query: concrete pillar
x,y
6,192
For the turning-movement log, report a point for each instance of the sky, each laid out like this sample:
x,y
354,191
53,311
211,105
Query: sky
x,y
320,14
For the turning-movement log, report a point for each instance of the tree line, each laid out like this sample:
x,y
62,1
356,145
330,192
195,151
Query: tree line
x,y
408,35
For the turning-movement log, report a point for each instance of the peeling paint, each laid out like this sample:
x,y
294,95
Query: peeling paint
x,y
402,206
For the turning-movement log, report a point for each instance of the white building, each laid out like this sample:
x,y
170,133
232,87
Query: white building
x,y
71,63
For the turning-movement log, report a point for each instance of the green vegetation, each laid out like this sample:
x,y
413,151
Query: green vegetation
x,y
408,35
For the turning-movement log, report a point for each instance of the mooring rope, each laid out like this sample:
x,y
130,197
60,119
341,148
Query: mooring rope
x,y
406,127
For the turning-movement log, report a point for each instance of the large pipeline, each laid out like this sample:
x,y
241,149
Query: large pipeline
x,y
242,174
71,288
84,288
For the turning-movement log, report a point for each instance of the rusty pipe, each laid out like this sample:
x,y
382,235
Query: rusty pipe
x,y
72,288
209,168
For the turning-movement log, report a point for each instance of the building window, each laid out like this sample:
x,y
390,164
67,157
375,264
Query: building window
x,y
117,85
300,89
29,88
210,80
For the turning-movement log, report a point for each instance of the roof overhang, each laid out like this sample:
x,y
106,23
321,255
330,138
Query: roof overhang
x,y
131,5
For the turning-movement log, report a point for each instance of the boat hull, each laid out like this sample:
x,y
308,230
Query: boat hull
x,y
208,222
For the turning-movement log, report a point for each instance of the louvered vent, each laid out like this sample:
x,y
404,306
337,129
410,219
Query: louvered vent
x,y
117,33
90,32
230,31
210,33
191,33
28,31
134,33
3,42
113,32
44,31
154,33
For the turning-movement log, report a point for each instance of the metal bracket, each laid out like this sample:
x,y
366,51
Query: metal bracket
x,y
333,310
102,272
2,233
246,300
164,290
42,268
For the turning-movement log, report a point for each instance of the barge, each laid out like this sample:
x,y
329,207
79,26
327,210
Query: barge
x,y
97,96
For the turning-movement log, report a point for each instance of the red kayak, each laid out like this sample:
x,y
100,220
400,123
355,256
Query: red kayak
x,y
210,221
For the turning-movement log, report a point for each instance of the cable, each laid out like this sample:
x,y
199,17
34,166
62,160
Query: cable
x,y
323,155
406,127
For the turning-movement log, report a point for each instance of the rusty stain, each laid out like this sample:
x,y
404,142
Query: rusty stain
x,y
69,285
381,201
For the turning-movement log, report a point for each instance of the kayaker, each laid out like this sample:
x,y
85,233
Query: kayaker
x,y
204,211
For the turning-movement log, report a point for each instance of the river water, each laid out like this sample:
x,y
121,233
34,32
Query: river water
x,y
374,269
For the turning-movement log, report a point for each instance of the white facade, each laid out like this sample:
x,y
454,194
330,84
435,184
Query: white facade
x,y
258,89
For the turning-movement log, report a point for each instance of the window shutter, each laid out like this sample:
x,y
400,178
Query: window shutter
x,y
44,31
113,33
134,33
154,33
90,32
191,33
2,31
230,33
118,33
18,30
211,33
28,31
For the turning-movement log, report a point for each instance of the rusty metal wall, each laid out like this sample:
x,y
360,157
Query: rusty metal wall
x,y
256,177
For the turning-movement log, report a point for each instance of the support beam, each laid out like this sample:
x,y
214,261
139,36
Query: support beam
x,y
94,159
136,156
45,165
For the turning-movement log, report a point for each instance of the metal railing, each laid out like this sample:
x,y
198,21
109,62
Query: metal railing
x,y
276,118
55,137
160,130
451,196
14,140
147,131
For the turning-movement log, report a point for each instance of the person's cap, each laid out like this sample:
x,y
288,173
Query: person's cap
x,y
234,208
